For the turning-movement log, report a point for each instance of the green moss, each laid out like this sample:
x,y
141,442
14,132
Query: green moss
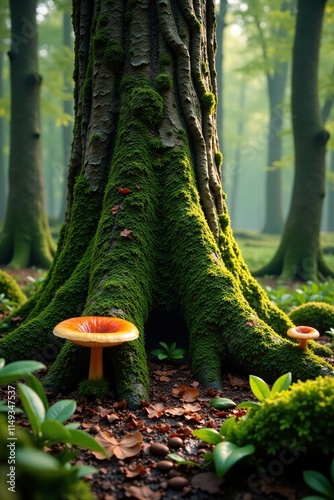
x,y
94,389
163,82
114,53
10,289
301,417
204,67
169,133
319,315
101,39
218,159
103,20
164,60
209,101
147,105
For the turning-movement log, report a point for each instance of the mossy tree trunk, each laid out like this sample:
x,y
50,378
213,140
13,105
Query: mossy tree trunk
x,y
299,255
26,239
147,230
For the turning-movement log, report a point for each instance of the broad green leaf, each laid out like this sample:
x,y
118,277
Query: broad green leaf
x,y
319,483
172,347
250,404
164,345
282,383
210,436
84,470
180,460
176,355
85,440
54,431
72,425
227,426
222,403
18,369
2,363
35,384
61,410
161,355
226,454
259,387
33,407
30,458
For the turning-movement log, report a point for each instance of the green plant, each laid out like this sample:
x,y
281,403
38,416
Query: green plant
x,y
320,484
6,304
169,353
261,389
40,474
34,284
330,332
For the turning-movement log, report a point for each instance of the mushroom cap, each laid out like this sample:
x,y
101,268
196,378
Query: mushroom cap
x,y
303,332
96,331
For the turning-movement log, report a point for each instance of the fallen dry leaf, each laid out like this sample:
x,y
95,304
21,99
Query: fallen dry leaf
x,y
126,233
236,381
129,446
175,412
116,208
139,470
141,493
156,410
284,491
207,481
124,191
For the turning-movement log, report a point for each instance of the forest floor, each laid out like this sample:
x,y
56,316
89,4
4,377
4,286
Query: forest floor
x,y
139,468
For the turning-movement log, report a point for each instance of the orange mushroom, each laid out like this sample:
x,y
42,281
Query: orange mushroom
x,y
96,332
303,334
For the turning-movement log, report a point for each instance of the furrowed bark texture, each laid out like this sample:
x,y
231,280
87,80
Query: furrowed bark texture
x,y
147,230
299,255
26,239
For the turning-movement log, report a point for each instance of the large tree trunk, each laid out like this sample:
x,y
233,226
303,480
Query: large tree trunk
x,y
221,24
146,230
299,255
26,239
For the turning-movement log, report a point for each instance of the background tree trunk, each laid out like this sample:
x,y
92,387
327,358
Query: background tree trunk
x,y
330,206
146,231
3,190
299,255
273,208
221,25
26,237
68,110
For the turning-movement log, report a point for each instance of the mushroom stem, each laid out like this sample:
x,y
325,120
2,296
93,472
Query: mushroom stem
x,y
96,364
303,344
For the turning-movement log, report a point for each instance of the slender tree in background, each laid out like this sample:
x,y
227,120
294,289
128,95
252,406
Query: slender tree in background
x,y
299,255
4,13
330,206
270,26
147,232
26,239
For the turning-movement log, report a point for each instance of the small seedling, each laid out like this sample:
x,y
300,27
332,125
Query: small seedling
x,y
169,353
261,390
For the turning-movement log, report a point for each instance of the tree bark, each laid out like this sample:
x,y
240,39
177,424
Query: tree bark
x,y
26,239
2,156
147,231
221,24
299,255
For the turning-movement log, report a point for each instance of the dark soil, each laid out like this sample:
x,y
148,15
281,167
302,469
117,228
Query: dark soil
x,y
177,406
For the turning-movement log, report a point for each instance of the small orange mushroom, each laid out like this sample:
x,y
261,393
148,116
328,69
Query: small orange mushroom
x,y
96,332
303,334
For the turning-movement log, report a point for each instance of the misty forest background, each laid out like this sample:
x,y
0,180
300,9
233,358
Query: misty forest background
x,y
255,42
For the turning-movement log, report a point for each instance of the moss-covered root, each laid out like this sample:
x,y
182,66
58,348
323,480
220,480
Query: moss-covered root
x,y
34,338
319,315
10,288
301,417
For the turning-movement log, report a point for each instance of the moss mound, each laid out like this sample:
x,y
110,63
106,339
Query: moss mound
x,y
319,315
11,289
301,418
